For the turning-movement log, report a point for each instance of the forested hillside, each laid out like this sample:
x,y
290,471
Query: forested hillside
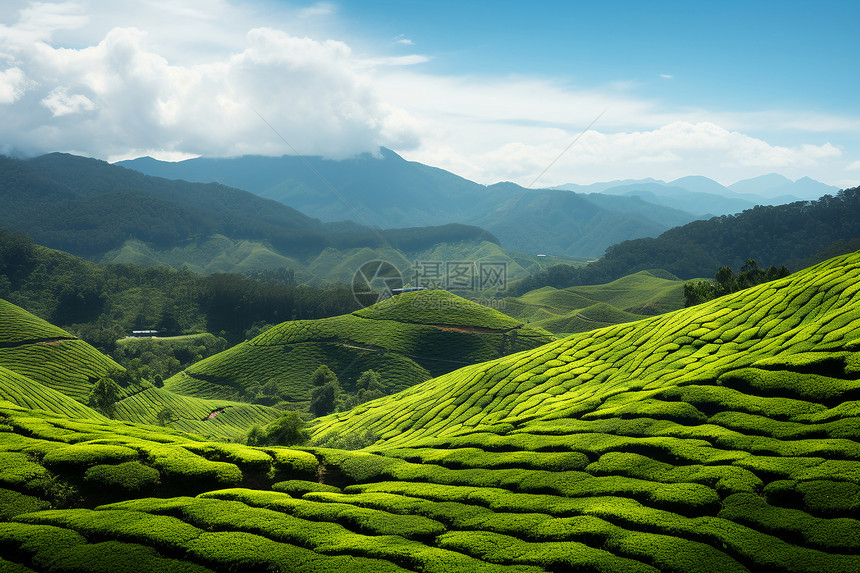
x,y
377,190
793,235
88,208
104,303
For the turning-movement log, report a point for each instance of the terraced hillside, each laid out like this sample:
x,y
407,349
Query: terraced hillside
x,y
723,437
43,367
49,355
583,308
406,339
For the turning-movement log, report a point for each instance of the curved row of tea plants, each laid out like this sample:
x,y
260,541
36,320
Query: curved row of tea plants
x,y
406,339
724,437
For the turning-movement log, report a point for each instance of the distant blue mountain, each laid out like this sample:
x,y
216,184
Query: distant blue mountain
x,y
704,197
387,191
777,187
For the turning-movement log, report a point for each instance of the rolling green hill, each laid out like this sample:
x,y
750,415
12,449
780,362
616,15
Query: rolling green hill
x,y
48,354
43,367
722,437
406,339
583,308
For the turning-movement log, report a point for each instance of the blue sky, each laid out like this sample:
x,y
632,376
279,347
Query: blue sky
x,y
489,90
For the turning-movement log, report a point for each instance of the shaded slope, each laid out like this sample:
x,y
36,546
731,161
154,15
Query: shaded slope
x,y
406,339
377,190
97,210
28,393
779,235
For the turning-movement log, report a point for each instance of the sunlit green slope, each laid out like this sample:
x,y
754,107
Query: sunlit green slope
x,y
44,367
48,354
724,437
407,339
797,324
583,308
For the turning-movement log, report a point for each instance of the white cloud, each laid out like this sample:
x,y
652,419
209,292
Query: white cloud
x,y
179,79
855,166
118,94
39,20
13,82
60,102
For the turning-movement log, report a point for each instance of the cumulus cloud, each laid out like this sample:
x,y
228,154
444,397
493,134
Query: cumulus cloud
x,y
180,79
119,94
513,128
12,85
61,102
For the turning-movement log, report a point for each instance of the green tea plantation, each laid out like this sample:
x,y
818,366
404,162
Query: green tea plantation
x,y
722,437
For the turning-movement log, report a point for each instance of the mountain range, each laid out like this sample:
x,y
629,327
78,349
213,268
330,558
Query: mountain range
x,y
386,190
111,214
705,197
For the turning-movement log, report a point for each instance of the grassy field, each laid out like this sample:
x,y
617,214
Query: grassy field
x,y
406,339
582,308
722,437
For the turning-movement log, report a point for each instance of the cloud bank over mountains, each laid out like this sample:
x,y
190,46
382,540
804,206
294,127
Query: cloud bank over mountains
x,y
119,97
176,80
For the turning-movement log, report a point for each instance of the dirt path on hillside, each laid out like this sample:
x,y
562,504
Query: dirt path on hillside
x,y
45,341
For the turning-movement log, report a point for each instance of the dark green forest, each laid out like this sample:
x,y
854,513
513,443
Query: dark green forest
x,y
795,235
726,282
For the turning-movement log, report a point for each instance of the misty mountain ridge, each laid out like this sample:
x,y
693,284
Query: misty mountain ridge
x,y
386,190
772,185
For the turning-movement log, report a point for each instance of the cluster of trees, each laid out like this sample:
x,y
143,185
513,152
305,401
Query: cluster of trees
x,y
329,396
793,235
155,358
286,430
726,282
